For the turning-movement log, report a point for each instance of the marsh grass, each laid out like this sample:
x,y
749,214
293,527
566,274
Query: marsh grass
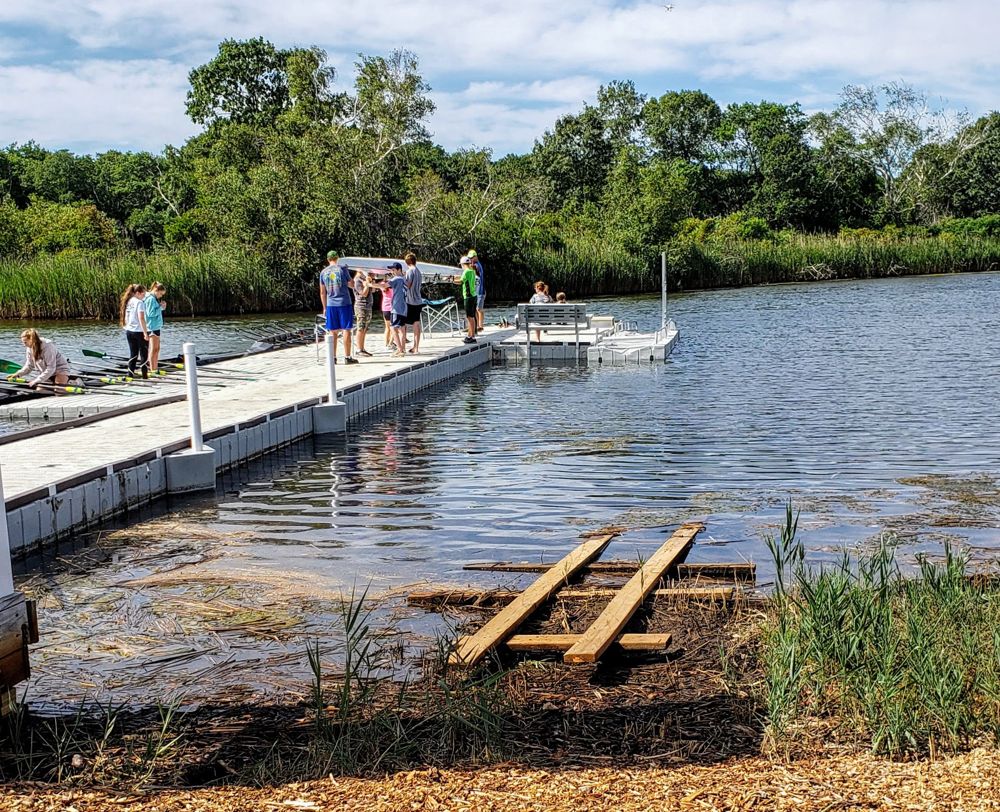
x,y
365,721
92,745
805,258
78,284
861,654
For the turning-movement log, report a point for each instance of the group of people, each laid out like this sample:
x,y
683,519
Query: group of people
x,y
541,296
400,287
140,313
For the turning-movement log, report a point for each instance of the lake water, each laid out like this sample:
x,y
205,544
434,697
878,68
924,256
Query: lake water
x,y
871,405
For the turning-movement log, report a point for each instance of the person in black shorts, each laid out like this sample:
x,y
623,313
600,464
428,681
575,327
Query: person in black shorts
x,y
469,298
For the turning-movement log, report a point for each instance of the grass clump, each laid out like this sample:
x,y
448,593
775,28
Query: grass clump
x,y
861,654
86,284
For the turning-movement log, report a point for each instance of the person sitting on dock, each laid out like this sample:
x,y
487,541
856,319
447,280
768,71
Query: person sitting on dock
x,y
540,296
43,360
335,294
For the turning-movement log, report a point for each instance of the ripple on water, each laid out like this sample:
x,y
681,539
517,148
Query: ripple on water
x,y
871,405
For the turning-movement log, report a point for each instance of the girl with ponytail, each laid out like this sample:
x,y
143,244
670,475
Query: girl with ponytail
x,y
133,319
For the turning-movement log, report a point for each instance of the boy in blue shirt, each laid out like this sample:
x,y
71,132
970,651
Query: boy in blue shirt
x,y
394,286
335,294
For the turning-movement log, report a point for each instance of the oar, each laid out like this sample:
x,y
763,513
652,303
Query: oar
x,y
21,385
160,376
120,361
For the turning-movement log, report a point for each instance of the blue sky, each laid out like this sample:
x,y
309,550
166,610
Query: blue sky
x,y
91,75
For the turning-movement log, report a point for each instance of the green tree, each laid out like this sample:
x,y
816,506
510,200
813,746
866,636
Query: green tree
x,y
891,129
683,124
575,157
252,82
765,144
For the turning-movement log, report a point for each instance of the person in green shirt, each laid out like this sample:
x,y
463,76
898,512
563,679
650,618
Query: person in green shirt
x,y
469,299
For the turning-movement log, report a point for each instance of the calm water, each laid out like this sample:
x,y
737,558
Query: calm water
x,y
871,404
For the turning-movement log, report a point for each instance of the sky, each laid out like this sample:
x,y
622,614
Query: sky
x,y
92,75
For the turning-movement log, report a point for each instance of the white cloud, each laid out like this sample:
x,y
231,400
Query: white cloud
x,y
519,63
111,104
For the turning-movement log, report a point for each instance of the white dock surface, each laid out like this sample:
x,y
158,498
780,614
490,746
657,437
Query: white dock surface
x,y
280,378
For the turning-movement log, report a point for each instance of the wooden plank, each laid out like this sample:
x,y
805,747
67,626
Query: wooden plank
x,y
462,597
489,598
739,571
603,631
470,650
562,642
723,594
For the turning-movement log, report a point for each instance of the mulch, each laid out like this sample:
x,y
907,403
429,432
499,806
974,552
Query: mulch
x,y
832,782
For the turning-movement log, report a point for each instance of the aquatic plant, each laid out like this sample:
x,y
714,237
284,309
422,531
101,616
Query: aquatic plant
x,y
860,652
77,284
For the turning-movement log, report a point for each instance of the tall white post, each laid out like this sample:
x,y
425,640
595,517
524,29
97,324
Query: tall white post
x,y
6,569
330,417
191,373
331,367
663,289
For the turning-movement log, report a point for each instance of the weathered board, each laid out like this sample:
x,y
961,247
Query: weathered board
x,y
738,571
603,631
562,642
470,650
490,598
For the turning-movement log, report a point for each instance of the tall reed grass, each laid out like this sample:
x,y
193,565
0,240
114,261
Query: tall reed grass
x,y
859,653
75,284
715,263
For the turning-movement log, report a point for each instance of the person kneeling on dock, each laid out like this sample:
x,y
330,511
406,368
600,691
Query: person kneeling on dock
x,y
43,360
335,294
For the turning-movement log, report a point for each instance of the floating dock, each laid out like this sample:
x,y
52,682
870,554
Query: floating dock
x,y
63,477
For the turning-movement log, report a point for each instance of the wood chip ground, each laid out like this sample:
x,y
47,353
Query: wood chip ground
x,y
967,782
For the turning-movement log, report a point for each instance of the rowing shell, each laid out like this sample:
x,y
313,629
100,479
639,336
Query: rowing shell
x,y
432,272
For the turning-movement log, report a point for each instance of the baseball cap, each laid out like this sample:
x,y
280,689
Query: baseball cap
x,y
472,254
394,266
333,255
465,261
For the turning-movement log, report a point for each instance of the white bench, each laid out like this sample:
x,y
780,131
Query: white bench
x,y
539,316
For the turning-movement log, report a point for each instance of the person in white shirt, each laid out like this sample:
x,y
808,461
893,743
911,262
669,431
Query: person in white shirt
x,y
42,360
132,316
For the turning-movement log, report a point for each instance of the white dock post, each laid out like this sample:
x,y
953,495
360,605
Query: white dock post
x,y
6,569
330,417
194,405
663,289
192,470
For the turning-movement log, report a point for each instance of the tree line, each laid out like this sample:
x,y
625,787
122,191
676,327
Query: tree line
x,y
287,165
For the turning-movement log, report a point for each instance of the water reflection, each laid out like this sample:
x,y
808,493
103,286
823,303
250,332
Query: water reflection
x,y
872,405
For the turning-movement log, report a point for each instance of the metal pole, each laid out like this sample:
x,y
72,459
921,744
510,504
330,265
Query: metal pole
x,y
331,367
191,374
6,570
663,289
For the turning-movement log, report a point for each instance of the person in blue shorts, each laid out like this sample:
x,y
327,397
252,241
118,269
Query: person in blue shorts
x,y
335,294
